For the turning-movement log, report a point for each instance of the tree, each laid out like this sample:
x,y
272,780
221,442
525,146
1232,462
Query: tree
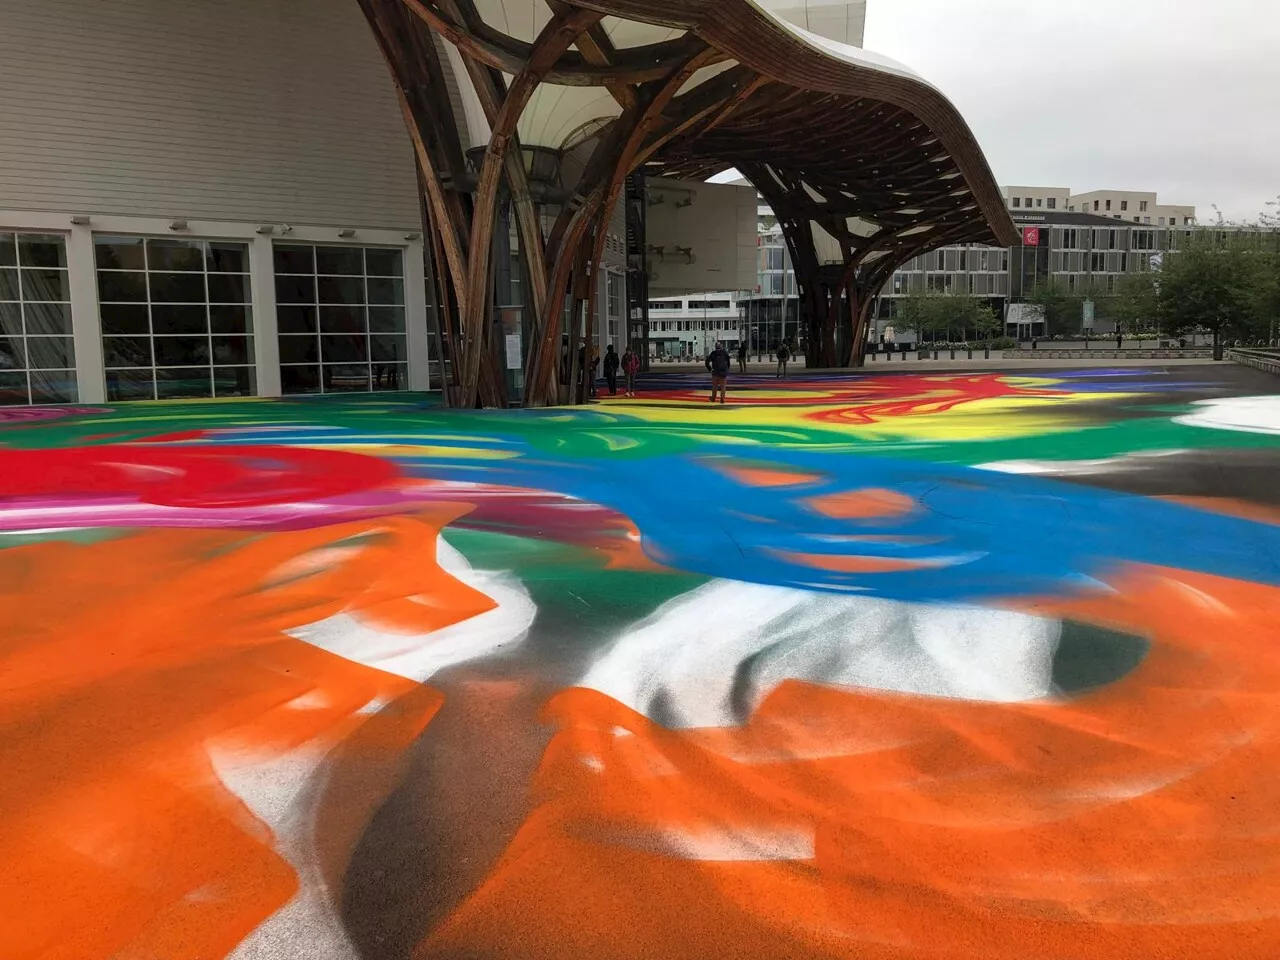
x,y
1063,309
949,315
1219,280
987,322
1136,303
920,311
966,313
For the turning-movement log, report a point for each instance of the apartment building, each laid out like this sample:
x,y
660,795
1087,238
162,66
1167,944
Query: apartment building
x,y
685,328
1132,205
1135,206
1037,198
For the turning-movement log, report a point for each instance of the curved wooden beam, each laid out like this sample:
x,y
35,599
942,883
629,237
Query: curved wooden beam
x,y
556,37
444,218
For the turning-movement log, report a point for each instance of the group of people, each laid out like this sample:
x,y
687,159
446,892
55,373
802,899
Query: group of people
x,y
628,365
783,355
718,363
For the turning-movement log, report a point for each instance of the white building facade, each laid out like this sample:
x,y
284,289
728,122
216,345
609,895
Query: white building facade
x,y
688,328
200,200
1132,206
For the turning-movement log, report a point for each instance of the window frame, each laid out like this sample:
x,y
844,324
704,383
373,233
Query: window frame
x,y
22,377
161,298
380,374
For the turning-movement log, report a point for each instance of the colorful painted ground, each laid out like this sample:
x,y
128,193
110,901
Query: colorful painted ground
x,y
890,666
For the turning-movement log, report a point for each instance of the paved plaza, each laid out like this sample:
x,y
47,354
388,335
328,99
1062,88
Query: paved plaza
x,y
921,663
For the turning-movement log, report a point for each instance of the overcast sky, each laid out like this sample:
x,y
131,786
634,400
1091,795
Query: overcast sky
x,y
1177,96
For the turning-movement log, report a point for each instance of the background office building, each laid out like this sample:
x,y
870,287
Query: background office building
x,y
685,328
1080,254
1069,245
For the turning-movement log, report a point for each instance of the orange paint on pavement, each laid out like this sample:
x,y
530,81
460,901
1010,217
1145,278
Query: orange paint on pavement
x,y
848,563
625,551
862,504
1135,821
767,476
1260,512
125,662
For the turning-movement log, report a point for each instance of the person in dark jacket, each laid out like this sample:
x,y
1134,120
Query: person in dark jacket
x,y
718,363
784,354
611,364
742,357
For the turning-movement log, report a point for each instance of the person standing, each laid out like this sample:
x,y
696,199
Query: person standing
x,y
595,371
742,357
611,370
630,367
784,354
718,363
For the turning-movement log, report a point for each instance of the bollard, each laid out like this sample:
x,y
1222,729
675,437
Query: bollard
x,y
986,353
971,353
935,354
904,356
953,353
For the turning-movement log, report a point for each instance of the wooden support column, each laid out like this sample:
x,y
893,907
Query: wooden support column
x,y
556,37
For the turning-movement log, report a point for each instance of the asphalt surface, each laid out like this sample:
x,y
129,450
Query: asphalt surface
x,y
934,660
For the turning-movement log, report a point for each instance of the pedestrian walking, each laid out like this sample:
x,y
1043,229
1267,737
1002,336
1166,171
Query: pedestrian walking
x,y
630,367
611,364
784,354
718,363
742,357
595,370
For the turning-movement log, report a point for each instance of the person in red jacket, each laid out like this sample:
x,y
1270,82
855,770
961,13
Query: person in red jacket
x,y
630,367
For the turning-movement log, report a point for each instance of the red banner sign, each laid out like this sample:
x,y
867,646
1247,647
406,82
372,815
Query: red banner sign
x,y
1031,236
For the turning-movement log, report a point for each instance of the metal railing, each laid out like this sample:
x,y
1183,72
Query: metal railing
x,y
1268,360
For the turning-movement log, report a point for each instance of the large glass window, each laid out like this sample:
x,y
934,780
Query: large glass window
x,y
341,317
176,320
614,289
37,359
